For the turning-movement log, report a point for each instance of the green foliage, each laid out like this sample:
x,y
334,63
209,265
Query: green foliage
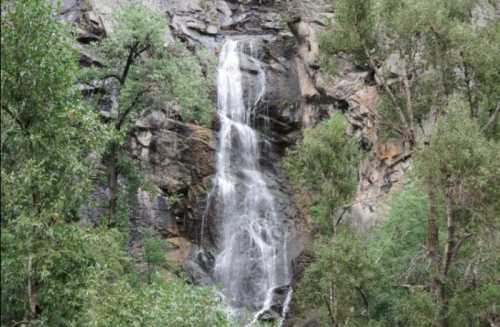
x,y
390,265
400,237
326,165
144,75
56,261
340,268
147,73
187,85
47,133
171,303
459,154
353,29
54,271
154,252
422,52
396,247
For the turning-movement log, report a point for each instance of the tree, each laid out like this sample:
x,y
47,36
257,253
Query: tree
x,y
339,280
55,271
173,303
460,169
154,252
144,74
412,49
480,78
48,139
325,164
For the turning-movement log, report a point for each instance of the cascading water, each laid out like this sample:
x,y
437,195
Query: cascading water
x,y
252,260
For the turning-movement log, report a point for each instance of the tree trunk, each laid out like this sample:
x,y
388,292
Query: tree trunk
x,y
30,292
493,121
333,304
404,121
113,185
450,233
448,254
433,240
409,106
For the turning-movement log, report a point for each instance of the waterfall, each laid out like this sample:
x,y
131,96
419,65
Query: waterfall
x,y
251,262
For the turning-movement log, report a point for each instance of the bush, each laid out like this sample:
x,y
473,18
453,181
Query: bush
x,y
325,164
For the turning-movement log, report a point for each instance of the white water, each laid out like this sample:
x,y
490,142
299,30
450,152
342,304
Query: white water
x,y
252,259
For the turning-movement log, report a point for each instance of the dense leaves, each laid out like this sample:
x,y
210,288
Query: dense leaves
x,y
56,270
435,257
142,73
421,52
325,164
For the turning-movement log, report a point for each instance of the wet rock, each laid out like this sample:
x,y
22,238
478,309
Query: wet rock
x,y
153,212
199,265
279,298
269,315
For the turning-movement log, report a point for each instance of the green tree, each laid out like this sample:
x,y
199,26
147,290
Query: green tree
x,y
325,164
460,170
48,140
339,280
54,270
399,296
173,303
421,53
154,252
144,74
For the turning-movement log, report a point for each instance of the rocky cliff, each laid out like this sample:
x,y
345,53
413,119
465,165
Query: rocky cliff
x,y
178,157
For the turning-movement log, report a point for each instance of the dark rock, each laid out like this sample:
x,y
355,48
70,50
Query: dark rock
x,y
279,298
198,266
179,160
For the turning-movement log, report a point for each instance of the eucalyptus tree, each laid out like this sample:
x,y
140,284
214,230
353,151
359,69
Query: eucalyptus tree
x,y
460,169
48,139
325,164
421,53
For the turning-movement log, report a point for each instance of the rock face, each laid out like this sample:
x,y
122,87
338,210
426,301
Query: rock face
x,y
353,92
177,158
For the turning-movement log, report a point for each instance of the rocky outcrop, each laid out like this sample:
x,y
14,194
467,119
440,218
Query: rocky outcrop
x,y
177,159
89,24
354,92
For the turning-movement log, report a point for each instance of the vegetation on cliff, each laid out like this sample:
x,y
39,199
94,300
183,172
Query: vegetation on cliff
x,y
434,261
56,270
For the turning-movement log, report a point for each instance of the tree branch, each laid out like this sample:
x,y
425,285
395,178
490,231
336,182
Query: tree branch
x,y
492,119
363,296
386,88
122,117
409,102
130,60
16,119
105,77
468,85
330,313
459,244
